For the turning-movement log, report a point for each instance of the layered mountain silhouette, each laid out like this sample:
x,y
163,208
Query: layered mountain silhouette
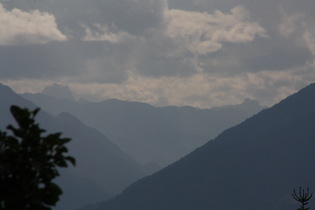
x,y
154,136
254,165
102,169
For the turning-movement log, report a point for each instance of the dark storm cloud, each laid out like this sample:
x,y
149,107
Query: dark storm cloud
x,y
67,59
134,17
280,58
154,66
38,61
271,54
154,59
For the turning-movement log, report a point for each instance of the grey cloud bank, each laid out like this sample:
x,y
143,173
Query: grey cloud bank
x,y
160,52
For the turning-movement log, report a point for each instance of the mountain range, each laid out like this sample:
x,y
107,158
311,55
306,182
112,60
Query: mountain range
x,y
102,169
253,165
153,136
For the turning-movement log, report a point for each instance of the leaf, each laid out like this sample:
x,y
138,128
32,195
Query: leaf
x,y
71,159
29,163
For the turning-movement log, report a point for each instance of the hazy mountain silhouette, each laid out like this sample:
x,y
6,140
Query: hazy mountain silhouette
x,y
102,169
254,165
152,135
58,91
7,98
98,158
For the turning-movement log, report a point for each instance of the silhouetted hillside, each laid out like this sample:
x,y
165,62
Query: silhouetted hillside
x,y
152,135
102,169
254,165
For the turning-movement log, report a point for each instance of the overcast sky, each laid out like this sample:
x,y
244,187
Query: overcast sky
x,y
202,53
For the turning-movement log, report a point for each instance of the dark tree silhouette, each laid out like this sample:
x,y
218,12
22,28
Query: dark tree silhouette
x,y
303,197
28,164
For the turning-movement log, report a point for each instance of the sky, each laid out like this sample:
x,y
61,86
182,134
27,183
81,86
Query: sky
x,y
201,53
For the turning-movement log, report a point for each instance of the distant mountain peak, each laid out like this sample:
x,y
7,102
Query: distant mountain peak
x,y
58,91
251,102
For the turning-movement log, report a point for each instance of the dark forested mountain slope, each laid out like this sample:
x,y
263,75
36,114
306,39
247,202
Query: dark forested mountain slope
x,y
254,165
158,135
102,168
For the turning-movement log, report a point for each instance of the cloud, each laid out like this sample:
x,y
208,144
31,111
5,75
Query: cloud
x,y
289,45
132,16
199,90
290,24
310,43
19,28
179,52
203,33
78,61
188,40
103,33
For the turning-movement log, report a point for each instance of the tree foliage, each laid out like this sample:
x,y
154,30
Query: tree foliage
x,y
303,197
28,164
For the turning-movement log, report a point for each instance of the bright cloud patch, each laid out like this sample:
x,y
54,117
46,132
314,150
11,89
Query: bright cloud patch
x,y
203,33
18,27
200,90
102,33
